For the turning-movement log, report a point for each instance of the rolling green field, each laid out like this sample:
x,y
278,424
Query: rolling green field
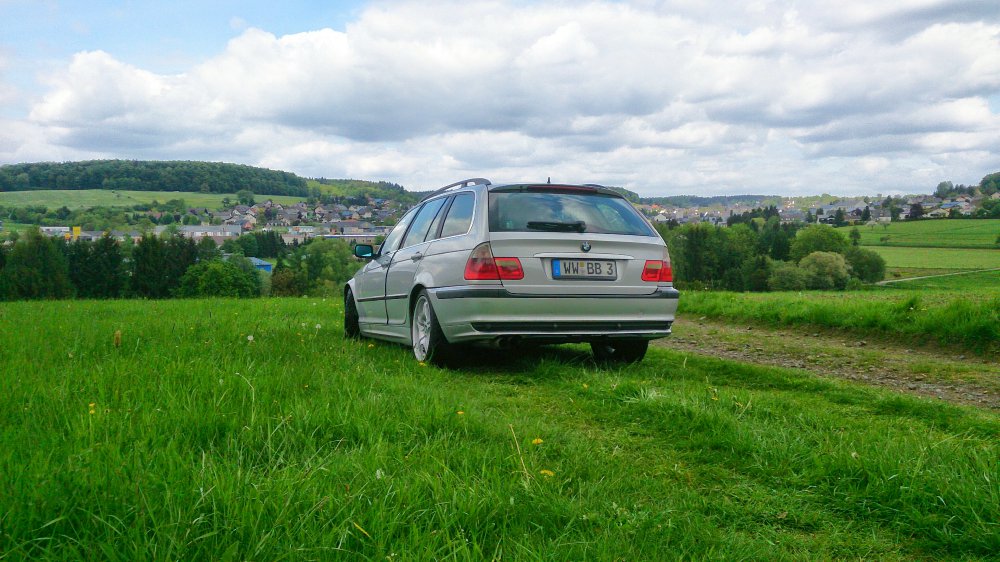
x,y
237,430
936,233
77,199
938,258
965,283
969,319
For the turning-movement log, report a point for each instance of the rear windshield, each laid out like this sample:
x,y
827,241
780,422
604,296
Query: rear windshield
x,y
540,210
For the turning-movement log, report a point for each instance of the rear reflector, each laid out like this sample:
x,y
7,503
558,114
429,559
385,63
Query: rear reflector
x,y
482,266
657,271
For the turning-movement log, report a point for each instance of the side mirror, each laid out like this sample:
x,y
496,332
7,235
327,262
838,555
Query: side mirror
x,y
365,251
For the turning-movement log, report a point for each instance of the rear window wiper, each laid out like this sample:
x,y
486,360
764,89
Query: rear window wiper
x,y
553,226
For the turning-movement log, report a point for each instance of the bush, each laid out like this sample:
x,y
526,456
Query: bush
x,y
866,265
825,270
817,238
218,279
786,276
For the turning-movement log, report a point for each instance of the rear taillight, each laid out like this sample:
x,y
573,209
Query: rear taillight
x,y
657,271
482,266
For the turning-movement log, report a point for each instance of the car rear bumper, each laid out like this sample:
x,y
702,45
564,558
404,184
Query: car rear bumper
x,y
477,313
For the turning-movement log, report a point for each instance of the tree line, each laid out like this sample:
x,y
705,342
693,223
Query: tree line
x,y
36,266
762,254
137,175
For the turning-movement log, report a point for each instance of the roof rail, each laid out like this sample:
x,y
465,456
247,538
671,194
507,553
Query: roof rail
x,y
463,183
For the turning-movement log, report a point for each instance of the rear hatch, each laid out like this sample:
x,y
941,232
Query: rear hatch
x,y
572,240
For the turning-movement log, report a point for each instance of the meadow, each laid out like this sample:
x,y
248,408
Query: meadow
x,y
968,319
938,258
936,233
86,198
965,282
233,430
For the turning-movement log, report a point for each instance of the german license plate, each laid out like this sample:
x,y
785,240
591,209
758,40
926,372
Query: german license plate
x,y
584,269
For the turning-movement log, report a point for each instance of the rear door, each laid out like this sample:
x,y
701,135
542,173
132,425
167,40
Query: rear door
x,y
572,240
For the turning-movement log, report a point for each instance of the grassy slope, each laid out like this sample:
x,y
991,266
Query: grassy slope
x,y
189,442
937,233
966,282
969,319
76,199
939,258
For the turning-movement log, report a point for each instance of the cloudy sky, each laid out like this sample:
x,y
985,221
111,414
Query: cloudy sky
x,y
663,97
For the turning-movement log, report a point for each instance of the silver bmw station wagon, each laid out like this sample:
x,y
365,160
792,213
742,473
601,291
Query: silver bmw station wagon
x,y
509,264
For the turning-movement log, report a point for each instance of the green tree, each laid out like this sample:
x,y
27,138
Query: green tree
x,y
840,218
149,278
866,265
855,236
825,270
916,211
208,250
245,197
97,268
866,215
286,282
35,268
817,238
218,279
787,276
990,184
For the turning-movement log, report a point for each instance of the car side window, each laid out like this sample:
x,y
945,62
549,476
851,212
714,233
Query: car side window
x,y
459,217
395,236
422,222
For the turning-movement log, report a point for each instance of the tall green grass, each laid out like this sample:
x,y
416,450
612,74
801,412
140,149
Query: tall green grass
x,y
191,440
969,321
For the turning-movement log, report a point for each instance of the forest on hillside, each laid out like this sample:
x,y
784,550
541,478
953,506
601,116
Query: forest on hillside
x,y
186,176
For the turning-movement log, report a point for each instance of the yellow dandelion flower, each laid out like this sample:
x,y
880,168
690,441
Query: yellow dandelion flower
x,y
547,473
460,413
586,386
371,345
537,441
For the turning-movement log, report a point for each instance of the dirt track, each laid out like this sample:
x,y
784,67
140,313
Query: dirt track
x,y
958,377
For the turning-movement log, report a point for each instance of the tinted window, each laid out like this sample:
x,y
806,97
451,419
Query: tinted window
x,y
541,210
391,241
459,215
422,222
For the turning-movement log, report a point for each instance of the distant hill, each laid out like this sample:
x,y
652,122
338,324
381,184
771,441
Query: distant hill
x,y
137,175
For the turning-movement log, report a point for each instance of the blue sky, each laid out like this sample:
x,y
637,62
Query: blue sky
x,y
660,96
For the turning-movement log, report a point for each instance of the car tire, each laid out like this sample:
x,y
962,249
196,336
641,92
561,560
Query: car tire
x,y
429,343
622,351
352,326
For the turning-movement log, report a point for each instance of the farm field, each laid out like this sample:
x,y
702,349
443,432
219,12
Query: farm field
x,y
936,233
938,258
77,199
252,430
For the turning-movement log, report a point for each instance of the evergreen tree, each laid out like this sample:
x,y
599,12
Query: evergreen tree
x,y
149,277
35,269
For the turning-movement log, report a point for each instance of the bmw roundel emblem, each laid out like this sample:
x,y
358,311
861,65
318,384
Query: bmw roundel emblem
x,y
585,246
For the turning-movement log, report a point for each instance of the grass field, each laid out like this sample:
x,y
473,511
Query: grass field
x,y
939,258
84,198
969,320
936,233
965,283
251,430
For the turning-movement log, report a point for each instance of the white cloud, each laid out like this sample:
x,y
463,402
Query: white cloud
x,y
661,97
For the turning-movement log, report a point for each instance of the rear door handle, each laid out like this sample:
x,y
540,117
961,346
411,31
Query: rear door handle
x,y
417,257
